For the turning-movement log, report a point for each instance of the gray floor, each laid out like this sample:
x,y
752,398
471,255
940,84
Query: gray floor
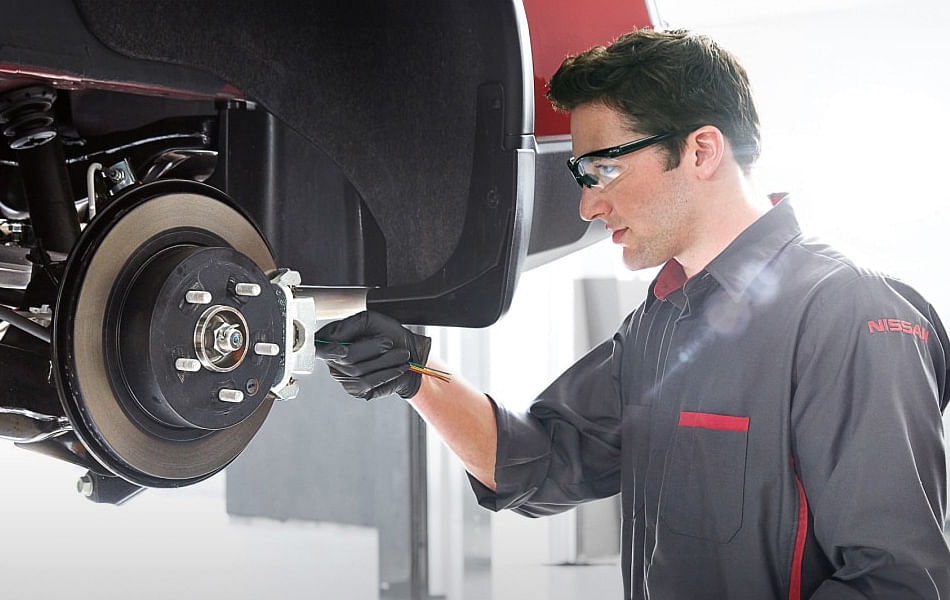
x,y
165,544
550,582
553,582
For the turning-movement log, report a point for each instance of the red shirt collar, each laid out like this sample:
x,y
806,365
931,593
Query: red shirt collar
x,y
671,278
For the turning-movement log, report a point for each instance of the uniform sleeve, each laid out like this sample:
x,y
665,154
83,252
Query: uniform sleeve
x,y
565,449
868,441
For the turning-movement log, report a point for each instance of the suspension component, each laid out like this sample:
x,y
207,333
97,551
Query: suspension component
x,y
25,115
103,489
28,123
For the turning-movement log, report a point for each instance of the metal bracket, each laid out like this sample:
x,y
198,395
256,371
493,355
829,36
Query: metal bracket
x,y
103,489
304,307
299,326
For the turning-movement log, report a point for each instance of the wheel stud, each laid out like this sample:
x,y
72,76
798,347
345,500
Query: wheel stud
x,y
198,297
265,349
188,365
247,289
227,395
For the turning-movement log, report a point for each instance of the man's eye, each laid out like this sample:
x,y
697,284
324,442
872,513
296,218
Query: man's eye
x,y
608,171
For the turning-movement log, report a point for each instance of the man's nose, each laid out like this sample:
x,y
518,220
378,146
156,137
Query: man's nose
x,y
593,205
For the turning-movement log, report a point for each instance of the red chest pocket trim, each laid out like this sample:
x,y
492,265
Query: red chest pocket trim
x,y
711,421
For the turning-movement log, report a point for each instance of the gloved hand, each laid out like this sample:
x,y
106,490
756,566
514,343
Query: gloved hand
x,y
375,362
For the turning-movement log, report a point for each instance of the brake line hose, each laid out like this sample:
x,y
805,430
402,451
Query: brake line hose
x,y
91,188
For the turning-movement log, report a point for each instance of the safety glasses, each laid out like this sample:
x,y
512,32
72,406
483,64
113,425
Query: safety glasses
x,y
599,168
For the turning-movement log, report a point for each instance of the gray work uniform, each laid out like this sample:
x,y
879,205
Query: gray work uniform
x,y
773,427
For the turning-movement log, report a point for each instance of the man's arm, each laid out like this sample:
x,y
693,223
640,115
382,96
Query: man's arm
x,y
564,450
464,419
370,355
867,441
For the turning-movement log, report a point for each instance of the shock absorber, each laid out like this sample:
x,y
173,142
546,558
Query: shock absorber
x,y
28,124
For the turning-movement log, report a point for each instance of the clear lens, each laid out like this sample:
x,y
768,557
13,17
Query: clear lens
x,y
599,171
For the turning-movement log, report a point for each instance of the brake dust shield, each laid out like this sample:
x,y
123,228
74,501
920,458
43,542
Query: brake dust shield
x,y
121,322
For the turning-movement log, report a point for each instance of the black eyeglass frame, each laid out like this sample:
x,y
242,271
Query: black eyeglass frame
x,y
613,152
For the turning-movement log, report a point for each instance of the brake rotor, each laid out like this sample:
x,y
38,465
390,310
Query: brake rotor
x,y
164,299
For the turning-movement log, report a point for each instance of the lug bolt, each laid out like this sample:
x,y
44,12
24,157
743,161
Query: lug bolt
x,y
188,365
198,297
265,349
247,289
227,395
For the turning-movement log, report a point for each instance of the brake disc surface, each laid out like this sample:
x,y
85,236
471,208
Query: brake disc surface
x,y
127,407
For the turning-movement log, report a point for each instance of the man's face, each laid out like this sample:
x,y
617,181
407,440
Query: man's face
x,y
646,208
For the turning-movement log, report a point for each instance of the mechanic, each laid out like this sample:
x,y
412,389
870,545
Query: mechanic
x,y
771,413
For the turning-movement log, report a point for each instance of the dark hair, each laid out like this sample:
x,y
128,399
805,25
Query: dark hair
x,y
665,81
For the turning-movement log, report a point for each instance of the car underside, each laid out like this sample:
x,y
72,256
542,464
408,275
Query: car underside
x,y
187,188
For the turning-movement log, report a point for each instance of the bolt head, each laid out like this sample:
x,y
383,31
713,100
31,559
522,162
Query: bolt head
x,y
85,486
228,338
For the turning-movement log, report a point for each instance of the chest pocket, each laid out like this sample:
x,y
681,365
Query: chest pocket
x,y
704,488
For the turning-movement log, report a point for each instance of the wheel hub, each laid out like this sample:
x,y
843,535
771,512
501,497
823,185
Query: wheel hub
x,y
163,326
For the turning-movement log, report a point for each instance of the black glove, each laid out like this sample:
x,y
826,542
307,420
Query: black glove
x,y
375,361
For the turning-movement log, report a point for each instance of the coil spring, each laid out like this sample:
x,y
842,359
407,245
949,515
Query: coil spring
x,y
26,118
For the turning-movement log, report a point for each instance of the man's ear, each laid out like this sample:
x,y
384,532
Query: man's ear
x,y
704,150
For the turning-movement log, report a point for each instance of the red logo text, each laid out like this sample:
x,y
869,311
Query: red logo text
x,y
899,326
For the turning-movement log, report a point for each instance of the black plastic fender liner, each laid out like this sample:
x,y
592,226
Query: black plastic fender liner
x,y
79,368
476,285
388,90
